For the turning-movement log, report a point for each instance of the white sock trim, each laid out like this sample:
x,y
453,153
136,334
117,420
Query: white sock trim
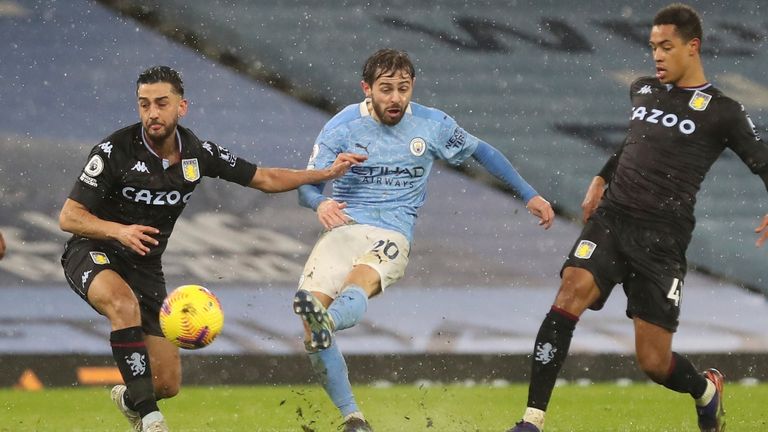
x,y
150,418
709,393
535,417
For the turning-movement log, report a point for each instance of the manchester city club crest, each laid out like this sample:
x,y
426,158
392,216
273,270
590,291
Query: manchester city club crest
x,y
191,169
418,146
699,101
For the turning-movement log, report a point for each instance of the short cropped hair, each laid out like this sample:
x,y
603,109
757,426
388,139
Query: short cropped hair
x,y
684,18
164,74
385,61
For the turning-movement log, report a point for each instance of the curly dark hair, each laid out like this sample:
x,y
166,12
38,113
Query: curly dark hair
x,y
166,74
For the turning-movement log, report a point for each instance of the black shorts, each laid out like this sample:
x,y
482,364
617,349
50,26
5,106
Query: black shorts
x,y
83,259
649,262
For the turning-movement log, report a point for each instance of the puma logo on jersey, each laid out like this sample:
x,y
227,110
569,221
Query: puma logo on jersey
x,y
358,145
140,167
646,89
656,116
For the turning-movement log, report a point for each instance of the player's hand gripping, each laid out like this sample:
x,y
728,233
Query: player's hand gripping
x,y
136,237
541,208
342,163
331,214
763,231
592,198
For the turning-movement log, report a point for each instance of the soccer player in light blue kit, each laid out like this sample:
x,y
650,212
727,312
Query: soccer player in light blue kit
x,y
370,216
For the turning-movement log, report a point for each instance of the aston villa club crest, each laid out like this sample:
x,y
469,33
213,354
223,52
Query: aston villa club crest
x,y
699,101
418,146
99,258
191,169
585,249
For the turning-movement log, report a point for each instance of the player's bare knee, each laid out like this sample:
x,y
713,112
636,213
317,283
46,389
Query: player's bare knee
x,y
167,388
123,312
577,291
654,365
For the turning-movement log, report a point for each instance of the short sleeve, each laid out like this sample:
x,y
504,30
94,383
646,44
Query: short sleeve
x,y
742,137
219,162
453,143
325,149
97,177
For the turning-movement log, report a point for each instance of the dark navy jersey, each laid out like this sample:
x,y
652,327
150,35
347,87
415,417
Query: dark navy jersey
x,y
675,135
125,181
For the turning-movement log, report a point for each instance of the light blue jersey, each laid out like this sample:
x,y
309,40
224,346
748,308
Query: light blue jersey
x,y
388,189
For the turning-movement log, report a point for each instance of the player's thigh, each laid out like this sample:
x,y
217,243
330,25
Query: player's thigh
x,y
148,282
366,277
597,253
655,298
93,272
339,251
111,295
165,363
386,256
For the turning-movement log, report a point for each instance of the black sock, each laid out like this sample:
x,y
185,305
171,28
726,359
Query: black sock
x,y
130,353
549,353
684,378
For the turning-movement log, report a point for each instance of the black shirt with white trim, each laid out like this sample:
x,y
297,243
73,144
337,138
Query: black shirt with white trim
x,y
675,135
125,181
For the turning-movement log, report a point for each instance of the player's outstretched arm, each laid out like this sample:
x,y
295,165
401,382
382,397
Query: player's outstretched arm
x,y
284,179
2,246
77,219
762,229
592,198
497,164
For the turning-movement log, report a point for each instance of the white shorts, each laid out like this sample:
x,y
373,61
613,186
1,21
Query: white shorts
x,y
344,247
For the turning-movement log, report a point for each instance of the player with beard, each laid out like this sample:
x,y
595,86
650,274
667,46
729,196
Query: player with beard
x,y
369,218
637,231
121,212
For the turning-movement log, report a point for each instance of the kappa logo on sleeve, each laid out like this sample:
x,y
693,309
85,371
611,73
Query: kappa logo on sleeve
x,y
585,249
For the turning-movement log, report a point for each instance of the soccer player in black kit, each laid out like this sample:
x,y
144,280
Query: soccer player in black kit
x,y
121,212
638,229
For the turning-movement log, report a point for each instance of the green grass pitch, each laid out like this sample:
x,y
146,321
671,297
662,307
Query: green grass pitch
x,y
599,407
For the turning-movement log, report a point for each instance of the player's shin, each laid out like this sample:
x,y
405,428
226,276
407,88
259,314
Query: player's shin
x,y
549,353
130,354
331,370
349,307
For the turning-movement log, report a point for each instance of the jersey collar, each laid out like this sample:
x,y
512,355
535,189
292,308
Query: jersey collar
x,y
166,163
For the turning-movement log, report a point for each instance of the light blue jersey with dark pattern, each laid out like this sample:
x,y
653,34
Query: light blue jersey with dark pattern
x,y
387,189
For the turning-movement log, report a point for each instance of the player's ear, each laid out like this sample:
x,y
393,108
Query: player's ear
x,y
695,46
183,107
366,88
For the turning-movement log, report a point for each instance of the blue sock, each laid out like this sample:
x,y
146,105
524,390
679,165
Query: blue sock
x,y
348,307
331,370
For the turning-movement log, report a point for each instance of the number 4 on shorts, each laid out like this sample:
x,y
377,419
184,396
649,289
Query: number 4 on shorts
x,y
674,291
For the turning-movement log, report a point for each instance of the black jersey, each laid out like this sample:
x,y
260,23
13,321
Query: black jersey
x,y
675,135
125,181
